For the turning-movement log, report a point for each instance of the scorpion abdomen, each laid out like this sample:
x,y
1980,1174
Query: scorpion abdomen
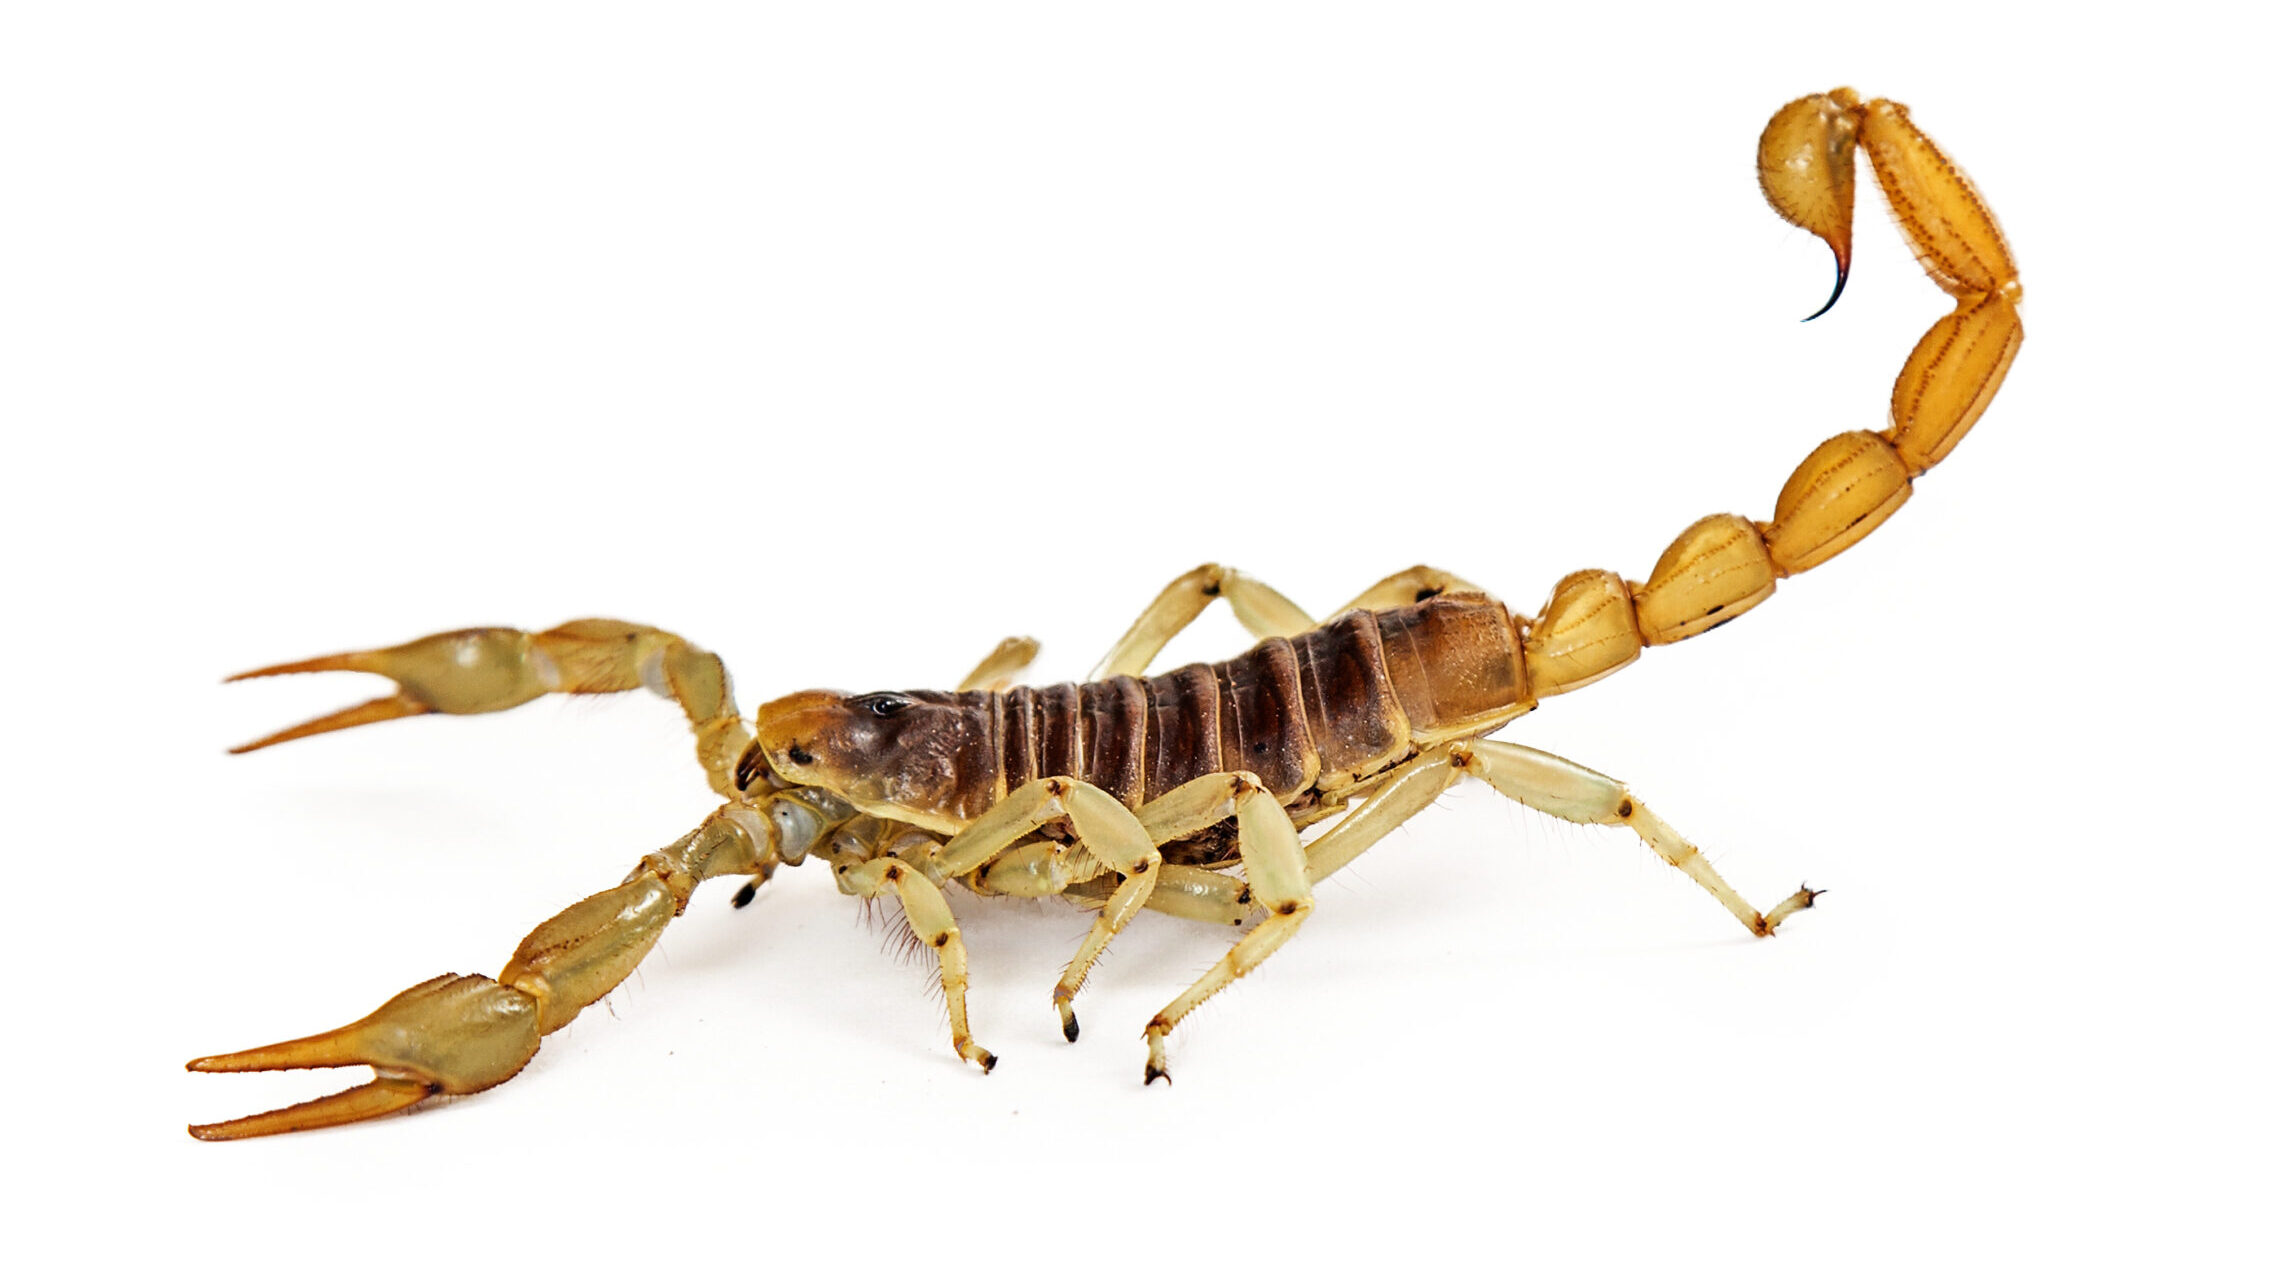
x,y
1305,714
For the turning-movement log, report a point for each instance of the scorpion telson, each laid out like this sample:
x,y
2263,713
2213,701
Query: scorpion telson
x,y
1187,792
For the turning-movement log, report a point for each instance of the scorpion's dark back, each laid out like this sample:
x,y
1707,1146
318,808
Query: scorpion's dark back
x,y
1314,710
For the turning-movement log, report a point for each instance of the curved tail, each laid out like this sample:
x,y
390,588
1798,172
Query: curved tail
x,y
1596,623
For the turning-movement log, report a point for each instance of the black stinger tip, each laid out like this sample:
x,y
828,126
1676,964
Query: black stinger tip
x,y
1836,290
1070,1028
744,896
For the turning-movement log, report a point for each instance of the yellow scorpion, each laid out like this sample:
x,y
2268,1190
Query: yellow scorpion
x,y
1188,792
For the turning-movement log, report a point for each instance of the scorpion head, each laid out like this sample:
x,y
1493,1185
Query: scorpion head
x,y
922,757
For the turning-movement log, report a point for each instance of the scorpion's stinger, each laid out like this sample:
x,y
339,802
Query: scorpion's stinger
x,y
1807,171
1837,288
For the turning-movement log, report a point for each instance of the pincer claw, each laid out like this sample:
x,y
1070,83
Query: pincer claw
x,y
467,671
454,1034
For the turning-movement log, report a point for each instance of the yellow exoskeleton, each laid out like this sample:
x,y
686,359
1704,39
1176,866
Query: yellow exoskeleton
x,y
1189,792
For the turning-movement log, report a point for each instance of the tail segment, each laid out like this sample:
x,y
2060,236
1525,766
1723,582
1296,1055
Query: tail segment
x,y
1596,623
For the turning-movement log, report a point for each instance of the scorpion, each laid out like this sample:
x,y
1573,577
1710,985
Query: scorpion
x,y
1187,793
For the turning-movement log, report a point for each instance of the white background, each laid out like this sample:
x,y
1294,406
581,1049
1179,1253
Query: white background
x,y
846,339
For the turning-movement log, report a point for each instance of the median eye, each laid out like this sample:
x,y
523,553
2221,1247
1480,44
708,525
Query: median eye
x,y
884,705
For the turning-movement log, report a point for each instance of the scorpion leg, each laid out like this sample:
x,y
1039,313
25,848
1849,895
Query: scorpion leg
x,y
1182,891
1110,833
1276,875
1542,782
1193,893
1403,588
1403,794
1559,787
1005,663
931,920
1209,896
1280,873
460,1034
1261,609
490,669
